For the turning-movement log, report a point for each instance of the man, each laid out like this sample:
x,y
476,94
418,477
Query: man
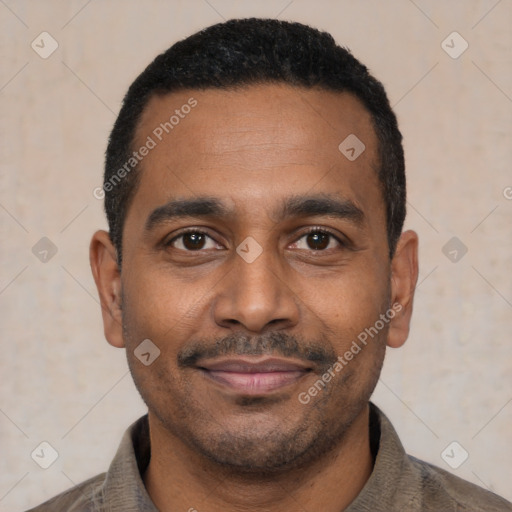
x,y
255,271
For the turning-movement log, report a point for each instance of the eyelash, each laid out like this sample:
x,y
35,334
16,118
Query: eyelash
x,y
313,229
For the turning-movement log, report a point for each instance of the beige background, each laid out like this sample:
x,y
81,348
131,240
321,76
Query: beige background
x,y
62,383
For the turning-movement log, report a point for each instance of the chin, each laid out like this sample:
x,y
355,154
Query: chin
x,y
266,447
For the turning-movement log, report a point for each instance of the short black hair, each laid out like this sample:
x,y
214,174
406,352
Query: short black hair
x,y
243,52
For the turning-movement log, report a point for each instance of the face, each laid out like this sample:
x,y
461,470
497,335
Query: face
x,y
254,255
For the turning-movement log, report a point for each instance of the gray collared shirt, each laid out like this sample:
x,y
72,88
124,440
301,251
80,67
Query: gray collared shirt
x,y
398,481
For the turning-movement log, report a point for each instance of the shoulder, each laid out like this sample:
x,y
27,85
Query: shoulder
x,y
401,482
443,491
84,497
121,486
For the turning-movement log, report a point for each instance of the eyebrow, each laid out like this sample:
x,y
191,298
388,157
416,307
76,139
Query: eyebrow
x,y
181,208
322,205
295,206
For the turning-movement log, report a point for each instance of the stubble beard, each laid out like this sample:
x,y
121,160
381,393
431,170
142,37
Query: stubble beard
x,y
250,450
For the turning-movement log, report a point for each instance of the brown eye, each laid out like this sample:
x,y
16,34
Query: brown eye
x,y
318,240
193,241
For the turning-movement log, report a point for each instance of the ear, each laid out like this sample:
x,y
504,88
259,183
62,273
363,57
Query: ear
x,y
404,275
103,259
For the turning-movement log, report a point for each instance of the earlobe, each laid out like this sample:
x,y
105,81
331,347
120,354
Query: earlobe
x,y
103,260
404,275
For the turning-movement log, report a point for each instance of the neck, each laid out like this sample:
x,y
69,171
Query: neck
x,y
179,479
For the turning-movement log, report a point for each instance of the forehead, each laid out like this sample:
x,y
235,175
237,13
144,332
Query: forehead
x,y
254,145
293,114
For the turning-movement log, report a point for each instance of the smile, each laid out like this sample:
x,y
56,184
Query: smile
x,y
254,376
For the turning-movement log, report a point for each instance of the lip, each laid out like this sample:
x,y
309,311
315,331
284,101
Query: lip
x,y
254,376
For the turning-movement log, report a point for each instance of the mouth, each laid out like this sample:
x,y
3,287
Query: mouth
x,y
254,375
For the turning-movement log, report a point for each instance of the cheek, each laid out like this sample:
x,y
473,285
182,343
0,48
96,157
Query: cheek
x,y
350,301
146,319
160,306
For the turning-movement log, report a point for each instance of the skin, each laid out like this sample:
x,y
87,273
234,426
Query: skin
x,y
214,448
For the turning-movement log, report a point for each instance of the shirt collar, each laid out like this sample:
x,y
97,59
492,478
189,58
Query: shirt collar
x,y
379,492
124,491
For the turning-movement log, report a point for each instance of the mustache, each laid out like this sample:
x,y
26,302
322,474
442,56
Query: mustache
x,y
320,354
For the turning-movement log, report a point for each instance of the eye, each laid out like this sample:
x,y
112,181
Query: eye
x,y
318,240
192,240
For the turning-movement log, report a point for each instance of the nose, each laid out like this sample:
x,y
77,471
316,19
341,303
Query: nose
x,y
257,296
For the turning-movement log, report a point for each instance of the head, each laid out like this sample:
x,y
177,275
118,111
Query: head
x,y
247,52
263,219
